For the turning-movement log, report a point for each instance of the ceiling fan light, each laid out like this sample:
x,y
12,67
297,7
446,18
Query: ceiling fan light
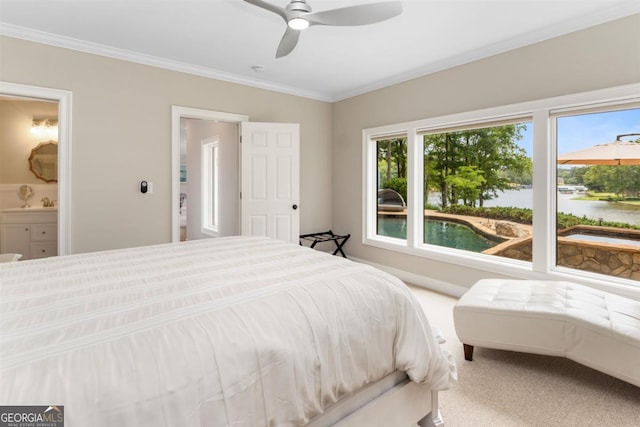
x,y
298,23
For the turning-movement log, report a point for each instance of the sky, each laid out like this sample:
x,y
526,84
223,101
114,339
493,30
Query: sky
x,y
587,130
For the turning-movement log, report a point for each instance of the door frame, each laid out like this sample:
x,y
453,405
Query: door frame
x,y
63,97
177,113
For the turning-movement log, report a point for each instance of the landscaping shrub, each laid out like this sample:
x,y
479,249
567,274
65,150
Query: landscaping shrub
x,y
520,215
399,185
525,216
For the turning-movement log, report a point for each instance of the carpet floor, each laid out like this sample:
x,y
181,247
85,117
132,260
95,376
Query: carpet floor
x,y
504,388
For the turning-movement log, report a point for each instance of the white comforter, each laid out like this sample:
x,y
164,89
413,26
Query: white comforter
x,y
219,332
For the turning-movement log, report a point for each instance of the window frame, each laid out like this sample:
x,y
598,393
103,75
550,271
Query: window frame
x,y
210,199
541,113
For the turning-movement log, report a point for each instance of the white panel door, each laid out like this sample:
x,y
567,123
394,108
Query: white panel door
x,y
270,180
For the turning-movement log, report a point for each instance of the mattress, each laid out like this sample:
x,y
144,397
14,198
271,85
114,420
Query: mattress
x,y
241,331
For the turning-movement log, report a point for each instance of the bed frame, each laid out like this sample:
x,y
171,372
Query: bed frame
x,y
394,400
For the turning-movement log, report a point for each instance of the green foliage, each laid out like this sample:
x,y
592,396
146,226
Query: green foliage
x,y
525,216
621,180
492,152
567,220
392,158
573,176
399,185
467,183
520,215
471,165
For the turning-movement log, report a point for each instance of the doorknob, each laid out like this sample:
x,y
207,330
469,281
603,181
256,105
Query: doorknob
x,y
294,207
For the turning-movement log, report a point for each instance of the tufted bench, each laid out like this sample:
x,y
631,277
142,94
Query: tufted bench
x,y
597,329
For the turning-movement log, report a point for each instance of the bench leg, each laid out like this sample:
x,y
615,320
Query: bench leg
x,y
468,352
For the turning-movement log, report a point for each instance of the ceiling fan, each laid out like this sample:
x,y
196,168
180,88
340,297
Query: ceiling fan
x,y
298,16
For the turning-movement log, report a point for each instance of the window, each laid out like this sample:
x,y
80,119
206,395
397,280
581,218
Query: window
x,y
477,189
598,192
482,188
391,189
210,192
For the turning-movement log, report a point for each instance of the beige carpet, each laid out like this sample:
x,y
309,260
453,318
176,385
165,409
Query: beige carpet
x,y
502,388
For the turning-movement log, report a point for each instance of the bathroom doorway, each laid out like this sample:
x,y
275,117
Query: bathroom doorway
x,y
251,191
28,107
205,156
209,185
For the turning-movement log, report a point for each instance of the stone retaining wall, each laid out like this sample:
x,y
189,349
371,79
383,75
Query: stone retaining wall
x,y
519,249
599,258
612,259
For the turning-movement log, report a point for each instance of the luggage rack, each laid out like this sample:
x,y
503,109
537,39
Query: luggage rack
x,y
326,236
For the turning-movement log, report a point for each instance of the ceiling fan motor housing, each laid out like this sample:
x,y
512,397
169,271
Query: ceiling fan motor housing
x,y
298,6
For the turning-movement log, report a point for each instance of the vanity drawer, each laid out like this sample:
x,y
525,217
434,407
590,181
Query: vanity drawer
x,y
32,232
43,250
44,232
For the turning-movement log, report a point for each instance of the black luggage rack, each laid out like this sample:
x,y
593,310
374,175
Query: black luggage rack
x,y
326,236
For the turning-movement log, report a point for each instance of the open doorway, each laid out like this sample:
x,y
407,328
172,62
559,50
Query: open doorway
x,y
49,106
209,185
206,173
264,179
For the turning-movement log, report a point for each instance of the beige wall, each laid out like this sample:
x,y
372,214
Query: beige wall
x,y
600,57
121,134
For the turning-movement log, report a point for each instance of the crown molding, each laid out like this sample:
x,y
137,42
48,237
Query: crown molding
x,y
37,36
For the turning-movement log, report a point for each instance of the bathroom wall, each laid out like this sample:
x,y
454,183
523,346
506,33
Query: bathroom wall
x,y
227,133
16,143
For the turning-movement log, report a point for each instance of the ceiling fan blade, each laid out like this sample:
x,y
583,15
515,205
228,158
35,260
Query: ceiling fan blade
x,y
270,7
356,15
288,42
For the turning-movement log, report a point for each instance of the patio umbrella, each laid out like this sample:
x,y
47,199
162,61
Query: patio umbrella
x,y
617,152
614,153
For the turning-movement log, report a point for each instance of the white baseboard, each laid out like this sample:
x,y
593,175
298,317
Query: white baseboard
x,y
419,280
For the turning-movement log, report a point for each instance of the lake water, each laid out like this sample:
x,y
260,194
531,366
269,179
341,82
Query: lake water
x,y
523,198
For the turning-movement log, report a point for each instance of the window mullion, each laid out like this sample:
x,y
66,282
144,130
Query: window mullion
x,y
415,211
543,176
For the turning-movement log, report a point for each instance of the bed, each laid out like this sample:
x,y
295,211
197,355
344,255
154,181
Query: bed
x,y
235,331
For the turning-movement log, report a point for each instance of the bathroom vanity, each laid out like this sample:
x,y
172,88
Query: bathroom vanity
x,y
32,232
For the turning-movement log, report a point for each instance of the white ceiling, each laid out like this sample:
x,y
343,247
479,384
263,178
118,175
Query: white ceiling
x,y
224,39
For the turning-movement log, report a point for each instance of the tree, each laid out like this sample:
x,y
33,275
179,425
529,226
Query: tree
x,y
392,158
492,151
439,158
467,183
573,175
632,181
622,180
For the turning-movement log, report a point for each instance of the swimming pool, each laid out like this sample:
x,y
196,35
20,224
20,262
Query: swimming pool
x,y
437,232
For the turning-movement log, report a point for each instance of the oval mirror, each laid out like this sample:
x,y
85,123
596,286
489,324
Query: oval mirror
x,y
43,161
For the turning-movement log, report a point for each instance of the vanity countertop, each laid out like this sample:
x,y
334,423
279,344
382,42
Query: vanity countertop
x,y
32,209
